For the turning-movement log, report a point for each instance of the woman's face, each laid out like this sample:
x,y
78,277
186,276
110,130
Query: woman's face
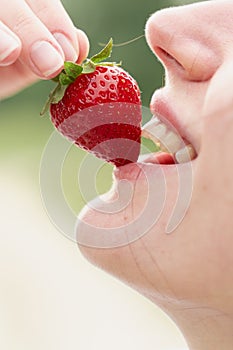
x,y
192,266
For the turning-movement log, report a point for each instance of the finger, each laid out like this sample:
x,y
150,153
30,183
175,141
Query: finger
x,y
58,22
14,78
83,45
10,46
40,51
24,77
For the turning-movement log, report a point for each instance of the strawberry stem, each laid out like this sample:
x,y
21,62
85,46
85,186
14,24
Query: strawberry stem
x,y
72,70
103,54
126,42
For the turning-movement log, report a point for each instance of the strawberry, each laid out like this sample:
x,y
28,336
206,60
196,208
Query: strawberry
x,y
97,106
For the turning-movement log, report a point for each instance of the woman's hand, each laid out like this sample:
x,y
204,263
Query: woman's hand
x,y
36,36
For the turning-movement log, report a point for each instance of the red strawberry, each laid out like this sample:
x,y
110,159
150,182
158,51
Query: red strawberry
x,y
100,109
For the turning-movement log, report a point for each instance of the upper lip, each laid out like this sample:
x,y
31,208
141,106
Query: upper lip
x,y
161,108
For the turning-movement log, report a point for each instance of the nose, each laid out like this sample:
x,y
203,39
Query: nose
x,y
182,39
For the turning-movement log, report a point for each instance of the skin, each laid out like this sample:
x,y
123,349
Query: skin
x,y
187,273
24,24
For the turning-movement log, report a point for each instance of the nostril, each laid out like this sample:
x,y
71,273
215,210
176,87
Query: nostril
x,y
193,60
165,53
165,56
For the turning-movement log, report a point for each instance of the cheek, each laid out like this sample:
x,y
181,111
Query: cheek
x,y
204,251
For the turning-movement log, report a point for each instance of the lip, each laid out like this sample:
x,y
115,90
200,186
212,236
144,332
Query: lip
x,y
135,172
161,108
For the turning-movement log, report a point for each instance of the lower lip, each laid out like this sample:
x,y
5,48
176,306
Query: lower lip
x,y
133,171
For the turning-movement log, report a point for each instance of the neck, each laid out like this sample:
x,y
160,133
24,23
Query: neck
x,y
204,328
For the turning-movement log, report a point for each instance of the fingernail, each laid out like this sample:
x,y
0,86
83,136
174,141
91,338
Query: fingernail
x,y
8,45
67,47
46,58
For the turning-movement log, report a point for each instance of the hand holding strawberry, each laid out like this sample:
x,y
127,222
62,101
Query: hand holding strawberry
x,y
97,105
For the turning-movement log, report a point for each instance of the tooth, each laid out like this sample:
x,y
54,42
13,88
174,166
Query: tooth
x,y
159,130
172,142
153,121
185,154
154,130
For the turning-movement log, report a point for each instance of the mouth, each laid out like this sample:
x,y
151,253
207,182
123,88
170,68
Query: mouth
x,y
174,148
163,131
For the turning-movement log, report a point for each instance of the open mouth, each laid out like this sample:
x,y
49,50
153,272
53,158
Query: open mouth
x,y
174,148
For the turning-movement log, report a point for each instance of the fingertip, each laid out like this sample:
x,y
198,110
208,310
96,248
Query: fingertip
x,y
10,48
11,57
46,60
70,49
84,45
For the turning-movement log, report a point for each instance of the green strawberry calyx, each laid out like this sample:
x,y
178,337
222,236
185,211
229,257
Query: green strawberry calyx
x,y
72,70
